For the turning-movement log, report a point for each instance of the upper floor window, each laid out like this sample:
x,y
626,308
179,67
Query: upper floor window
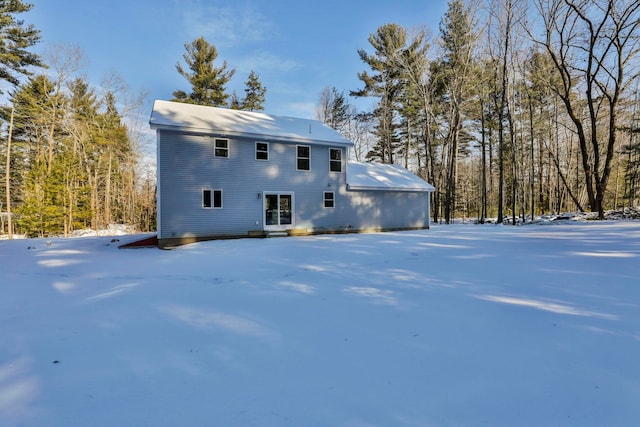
x,y
303,157
221,148
262,151
335,160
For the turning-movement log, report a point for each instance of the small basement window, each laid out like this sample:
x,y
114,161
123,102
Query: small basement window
x,y
303,157
221,148
335,160
262,151
212,199
329,199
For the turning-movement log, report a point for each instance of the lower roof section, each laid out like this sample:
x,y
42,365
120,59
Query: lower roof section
x,y
384,177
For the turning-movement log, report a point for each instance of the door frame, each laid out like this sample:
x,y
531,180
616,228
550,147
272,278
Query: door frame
x,y
264,210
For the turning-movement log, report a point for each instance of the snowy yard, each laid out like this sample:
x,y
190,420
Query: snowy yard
x,y
459,325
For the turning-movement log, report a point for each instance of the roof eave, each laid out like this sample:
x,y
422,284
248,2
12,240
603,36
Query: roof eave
x,y
395,189
275,138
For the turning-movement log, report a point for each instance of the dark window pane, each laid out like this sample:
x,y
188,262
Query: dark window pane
x,y
303,151
217,199
271,209
206,198
303,164
285,210
336,154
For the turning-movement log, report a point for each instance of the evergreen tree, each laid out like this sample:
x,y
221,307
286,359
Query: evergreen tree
x,y
389,65
116,161
254,93
39,195
15,59
15,40
414,101
383,84
33,104
208,82
333,109
453,73
235,103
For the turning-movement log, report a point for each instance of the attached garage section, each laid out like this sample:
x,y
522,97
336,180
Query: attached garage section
x,y
387,197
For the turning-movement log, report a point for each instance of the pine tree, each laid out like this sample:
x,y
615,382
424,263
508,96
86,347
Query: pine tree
x,y
15,40
208,82
235,103
254,97
386,82
117,156
15,60
38,181
33,104
383,84
333,109
454,72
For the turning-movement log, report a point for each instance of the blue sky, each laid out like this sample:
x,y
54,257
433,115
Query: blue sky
x,y
296,47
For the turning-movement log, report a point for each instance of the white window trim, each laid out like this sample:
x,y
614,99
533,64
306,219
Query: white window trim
x,y
215,141
293,211
324,199
308,158
268,149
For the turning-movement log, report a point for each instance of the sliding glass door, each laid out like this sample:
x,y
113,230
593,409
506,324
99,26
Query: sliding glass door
x,y
278,211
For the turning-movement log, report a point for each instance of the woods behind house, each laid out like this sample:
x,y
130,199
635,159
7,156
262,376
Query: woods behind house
x,y
511,108
514,108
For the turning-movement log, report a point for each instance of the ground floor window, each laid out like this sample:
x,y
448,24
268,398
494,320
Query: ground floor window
x,y
329,199
212,199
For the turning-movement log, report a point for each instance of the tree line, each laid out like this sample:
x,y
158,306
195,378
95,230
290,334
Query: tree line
x,y
71,156
515,108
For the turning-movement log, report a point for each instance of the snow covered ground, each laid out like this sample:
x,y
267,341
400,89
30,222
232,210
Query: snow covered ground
x,y
460,325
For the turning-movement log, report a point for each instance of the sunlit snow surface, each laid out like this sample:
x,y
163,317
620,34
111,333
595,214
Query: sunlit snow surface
x,y
460,325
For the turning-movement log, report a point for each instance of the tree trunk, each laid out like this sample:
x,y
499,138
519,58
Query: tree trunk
x,y
532,173
483,165
7,180
107,194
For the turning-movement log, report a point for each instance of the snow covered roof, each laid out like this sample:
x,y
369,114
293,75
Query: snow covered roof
x,y
378,176
227,122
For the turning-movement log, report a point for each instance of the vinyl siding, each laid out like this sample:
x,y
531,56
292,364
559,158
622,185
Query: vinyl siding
x,y
389,209
187,166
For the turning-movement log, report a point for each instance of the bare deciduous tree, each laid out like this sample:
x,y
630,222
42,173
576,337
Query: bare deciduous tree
x,y
593,45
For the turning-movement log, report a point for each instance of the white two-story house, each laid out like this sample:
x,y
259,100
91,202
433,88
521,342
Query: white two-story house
x,y
226,173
